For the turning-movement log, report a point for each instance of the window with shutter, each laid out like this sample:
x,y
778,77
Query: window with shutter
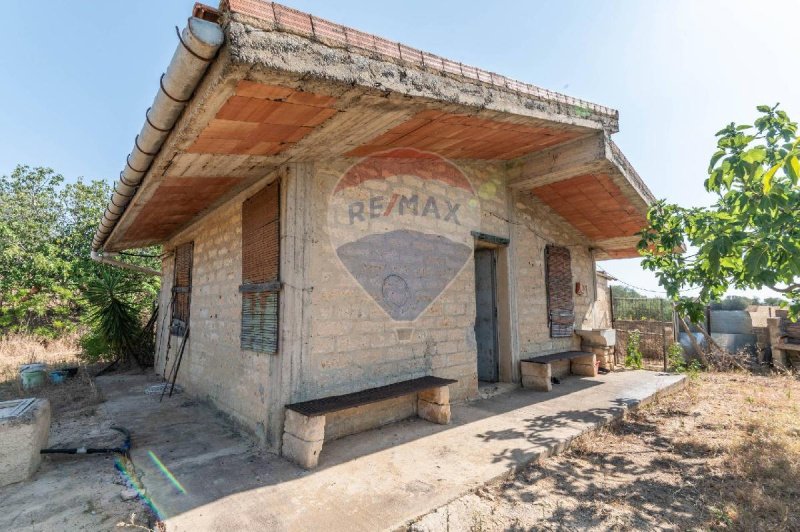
x,y
558,281
182,288
261,270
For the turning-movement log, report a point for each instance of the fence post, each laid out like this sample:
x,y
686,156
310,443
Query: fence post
x,y
668,334
611,303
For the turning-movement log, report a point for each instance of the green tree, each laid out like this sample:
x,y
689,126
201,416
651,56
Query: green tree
x,y
749,238
734,303
34,292
46,228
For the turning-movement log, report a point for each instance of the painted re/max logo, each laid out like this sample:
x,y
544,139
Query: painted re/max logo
x,y
379,206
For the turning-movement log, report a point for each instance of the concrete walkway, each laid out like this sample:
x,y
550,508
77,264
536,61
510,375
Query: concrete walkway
x,y
377,480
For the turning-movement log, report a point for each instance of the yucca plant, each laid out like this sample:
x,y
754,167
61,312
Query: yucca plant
x,y
115,325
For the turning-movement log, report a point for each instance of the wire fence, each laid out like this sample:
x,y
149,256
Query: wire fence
x,y
641,308
653,318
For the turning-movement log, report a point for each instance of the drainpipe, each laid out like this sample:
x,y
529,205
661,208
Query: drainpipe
x,y
107,258
198,45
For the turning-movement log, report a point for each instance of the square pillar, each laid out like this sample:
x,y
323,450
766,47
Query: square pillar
x,y
585,366
434,405
536,376
303,437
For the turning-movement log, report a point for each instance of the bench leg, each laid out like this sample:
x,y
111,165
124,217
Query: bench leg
x,y
434,405
584,366
778,358
536,376
302,438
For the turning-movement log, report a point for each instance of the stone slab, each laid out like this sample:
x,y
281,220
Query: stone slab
x,y
24,429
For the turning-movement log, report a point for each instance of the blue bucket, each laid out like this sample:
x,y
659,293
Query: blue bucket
x,y
58,376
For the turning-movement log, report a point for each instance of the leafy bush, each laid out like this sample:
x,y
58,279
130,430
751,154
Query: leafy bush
x,y
633,355
46,229
678,364
675,358
113,316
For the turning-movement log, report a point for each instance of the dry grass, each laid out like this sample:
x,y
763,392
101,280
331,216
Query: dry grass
x,y
17,349
723,454
74,394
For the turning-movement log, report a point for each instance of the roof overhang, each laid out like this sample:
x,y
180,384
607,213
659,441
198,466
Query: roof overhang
x,y
275,95
590,184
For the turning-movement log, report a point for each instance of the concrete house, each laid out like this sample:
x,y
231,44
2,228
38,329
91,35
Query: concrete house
x,y
340,213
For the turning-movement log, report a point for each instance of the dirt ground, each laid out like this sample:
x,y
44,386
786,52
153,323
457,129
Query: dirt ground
x,y
69,492
722,454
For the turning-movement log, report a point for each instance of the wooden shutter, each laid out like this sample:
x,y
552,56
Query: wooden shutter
x,y
261,270
182,288
558,281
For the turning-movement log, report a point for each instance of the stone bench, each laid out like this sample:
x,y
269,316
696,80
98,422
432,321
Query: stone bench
x,y
538,372
304,427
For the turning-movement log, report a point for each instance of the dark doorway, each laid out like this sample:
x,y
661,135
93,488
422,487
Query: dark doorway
x,y
486,314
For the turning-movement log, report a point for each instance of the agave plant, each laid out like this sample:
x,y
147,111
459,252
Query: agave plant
x,y
112,314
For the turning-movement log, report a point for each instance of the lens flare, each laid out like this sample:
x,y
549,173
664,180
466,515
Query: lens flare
x,y
166,472
122,467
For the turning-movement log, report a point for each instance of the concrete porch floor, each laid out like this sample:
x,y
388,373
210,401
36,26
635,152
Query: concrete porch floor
x,y
376,480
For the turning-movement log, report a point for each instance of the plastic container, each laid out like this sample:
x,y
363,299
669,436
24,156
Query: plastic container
x,y
38,366
58,376
32,377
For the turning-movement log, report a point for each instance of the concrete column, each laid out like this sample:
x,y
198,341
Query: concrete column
x,y
512,268
778,354
285,369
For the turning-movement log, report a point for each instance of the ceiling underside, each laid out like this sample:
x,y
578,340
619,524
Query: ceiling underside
x,y
260,125
594,205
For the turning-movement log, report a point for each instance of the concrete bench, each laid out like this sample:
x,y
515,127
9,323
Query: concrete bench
x,y
304,428
538,372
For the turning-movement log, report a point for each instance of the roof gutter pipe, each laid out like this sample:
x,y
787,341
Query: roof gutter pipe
x,y
107,258
199,43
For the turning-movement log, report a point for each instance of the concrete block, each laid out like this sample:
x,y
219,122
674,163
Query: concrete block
x,y
534,369
24,429
536,376
560,368
301,452
440,396
584,366
309,428
432,412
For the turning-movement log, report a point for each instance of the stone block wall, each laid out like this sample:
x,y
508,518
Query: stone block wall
x,y
535,226
214,367
347,341
356,344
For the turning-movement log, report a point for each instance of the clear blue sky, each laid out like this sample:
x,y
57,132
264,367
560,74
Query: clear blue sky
x,y
78,76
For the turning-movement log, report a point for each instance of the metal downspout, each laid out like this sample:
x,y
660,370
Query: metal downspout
x,y
199,43
107,258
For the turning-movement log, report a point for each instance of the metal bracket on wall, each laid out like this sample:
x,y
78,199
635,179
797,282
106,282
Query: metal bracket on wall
x,y
272,286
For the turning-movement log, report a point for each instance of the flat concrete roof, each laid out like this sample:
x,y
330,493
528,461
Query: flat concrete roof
x,y
288,86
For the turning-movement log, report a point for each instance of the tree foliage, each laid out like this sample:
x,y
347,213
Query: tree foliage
x,y
749,238
46,228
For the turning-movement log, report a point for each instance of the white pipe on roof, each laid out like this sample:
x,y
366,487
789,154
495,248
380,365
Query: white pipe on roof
x,y
198,45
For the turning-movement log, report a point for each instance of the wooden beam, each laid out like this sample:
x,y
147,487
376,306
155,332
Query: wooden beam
x,y
581,156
